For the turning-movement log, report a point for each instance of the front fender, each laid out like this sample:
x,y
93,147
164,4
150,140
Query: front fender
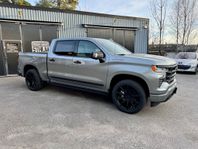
x,y
139,71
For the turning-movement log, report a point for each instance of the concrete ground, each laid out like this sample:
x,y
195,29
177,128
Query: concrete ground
x,y
63,118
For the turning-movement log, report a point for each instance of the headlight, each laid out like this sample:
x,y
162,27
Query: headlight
x,y
193,64
161,72
158,69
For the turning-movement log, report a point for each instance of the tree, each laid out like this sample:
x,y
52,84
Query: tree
x,y
16,2
23,3
183,19
158,11
176,21
188,19
44,3
60,4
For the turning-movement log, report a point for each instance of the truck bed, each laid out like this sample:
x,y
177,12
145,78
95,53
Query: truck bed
x,y
39,60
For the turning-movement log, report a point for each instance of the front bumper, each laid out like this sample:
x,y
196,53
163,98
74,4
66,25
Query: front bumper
x,y
188,70
162,97
184,68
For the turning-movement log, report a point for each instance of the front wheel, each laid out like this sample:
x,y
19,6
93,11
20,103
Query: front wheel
x,y
128,96
33,80
196,70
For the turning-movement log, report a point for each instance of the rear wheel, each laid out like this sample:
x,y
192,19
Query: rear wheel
x,y
33,80
128,96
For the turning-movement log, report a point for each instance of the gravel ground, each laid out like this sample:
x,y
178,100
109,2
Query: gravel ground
x,y
63,118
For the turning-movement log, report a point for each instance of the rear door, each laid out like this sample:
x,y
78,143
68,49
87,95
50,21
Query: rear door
x,y
89,72
60,61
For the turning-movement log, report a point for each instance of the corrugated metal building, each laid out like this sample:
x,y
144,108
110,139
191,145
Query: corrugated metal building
x,y
20,25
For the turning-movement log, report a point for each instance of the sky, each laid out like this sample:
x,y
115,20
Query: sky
x,y
118,7
138,8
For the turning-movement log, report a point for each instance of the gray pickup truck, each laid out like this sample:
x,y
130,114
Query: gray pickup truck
x,y
102,66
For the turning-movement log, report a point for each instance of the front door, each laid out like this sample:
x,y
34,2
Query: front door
x,y
11,49
89,72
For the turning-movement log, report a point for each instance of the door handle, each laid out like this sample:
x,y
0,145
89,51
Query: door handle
x,y
52,60
77,62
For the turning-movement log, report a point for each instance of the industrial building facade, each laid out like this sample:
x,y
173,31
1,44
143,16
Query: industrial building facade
x,y
21,27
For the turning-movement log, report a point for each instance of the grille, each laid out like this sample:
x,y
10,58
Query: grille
x,y
170,74
184,67
161,80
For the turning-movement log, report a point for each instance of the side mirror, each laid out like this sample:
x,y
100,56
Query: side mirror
x,y
97,55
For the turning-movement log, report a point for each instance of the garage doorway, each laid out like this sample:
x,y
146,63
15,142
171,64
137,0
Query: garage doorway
x,y
17,36
11,49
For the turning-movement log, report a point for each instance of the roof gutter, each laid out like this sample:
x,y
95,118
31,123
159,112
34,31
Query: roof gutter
x,y
109,27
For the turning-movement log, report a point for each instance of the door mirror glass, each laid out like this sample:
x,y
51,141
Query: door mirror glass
x,y
97,55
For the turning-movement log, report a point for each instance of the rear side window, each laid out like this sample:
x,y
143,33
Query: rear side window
x,y
66,48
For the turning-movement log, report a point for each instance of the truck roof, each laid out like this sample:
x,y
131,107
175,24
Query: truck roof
x,y
78,38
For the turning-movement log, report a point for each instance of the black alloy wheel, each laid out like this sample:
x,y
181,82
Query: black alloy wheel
x,y
33,80
128,96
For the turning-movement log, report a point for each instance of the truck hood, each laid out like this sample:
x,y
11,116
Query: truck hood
x,y
146,59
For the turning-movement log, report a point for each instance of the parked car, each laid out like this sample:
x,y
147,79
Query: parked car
x,y
187,61
104,66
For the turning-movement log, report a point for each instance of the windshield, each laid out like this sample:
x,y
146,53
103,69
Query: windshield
x,y
113,47
186,55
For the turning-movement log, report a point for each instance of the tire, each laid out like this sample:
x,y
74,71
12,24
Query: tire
x,y
33,80
196,70
128,96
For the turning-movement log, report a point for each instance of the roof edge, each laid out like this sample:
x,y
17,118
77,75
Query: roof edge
x,y
70,11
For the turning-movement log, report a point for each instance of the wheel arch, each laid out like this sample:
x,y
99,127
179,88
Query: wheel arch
x,y
28,67
139,80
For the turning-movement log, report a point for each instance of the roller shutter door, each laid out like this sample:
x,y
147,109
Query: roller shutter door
x,y
100,33
121,36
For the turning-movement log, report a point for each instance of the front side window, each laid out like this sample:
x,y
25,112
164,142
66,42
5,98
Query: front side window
x,y
86,48
66,48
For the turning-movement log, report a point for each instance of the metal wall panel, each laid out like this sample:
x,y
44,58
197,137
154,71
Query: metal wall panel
x,y
141,42
72,22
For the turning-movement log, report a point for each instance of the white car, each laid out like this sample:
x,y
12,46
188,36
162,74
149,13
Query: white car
x,y
187,61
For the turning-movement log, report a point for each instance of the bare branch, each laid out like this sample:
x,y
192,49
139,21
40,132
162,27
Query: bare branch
x,y
158,11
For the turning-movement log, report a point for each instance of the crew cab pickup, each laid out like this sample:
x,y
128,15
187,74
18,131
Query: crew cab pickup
x,y
101,65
